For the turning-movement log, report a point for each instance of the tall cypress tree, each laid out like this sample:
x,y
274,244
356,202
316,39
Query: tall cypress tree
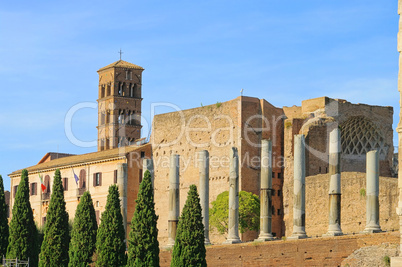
x,y
54,250
143,245
189,248
23,233
83,235
3,221
110,240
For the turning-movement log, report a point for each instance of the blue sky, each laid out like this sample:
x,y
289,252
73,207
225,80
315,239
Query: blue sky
x,y
193,52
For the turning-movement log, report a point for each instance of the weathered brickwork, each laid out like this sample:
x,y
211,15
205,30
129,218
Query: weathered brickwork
x,y
308,252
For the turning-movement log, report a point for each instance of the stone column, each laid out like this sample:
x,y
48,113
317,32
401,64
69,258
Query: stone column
x,y
265,192
334,228
203,157
233,231
299,190
174,198
148,165
397,261
372,191
122,186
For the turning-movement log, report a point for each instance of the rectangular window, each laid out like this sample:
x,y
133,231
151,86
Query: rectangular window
x,y
273,174
33,189
142,154
279,175
115,176
272,192
43,221
15,190
278,212
140,174
279,193
65,184
98,179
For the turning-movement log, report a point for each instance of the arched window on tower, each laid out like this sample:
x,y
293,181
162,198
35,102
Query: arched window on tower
x,y
123,87
108,90
120,89
107,116
102,91
131,90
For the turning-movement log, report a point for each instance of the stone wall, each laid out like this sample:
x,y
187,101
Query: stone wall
x,y
240,123
353,204
307,252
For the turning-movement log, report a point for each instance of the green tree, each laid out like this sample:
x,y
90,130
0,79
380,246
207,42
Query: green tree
x,y
189,248
249,212
110,240
83,235
23,233
143,245
3,221
54,249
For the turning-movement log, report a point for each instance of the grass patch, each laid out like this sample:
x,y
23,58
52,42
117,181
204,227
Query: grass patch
x,y
362,192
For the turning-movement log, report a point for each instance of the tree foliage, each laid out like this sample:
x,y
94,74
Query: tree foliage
x,y
54,249
249,212
189,248
143,245
23,233
83,234
110,240
3,221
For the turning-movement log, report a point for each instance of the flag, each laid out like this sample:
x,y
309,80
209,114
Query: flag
x,y
42,185
75,177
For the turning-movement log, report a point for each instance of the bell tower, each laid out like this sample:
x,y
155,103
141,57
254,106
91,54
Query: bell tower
x,y
119,105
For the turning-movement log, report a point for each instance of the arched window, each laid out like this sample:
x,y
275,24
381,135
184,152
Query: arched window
x,y
131,90
108,89
83,179
137,91
123,87
120,89
103,91
47,184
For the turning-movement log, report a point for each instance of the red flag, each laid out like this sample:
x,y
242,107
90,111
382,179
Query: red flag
x,y
42,185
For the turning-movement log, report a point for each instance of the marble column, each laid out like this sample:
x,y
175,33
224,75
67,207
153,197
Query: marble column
x,y
203,157
265,192
148,165
397,261
122,186
174,198
233,231
372,191
334,228
299,190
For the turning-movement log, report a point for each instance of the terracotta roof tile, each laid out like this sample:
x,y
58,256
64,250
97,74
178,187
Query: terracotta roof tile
x,y
77,159
122,64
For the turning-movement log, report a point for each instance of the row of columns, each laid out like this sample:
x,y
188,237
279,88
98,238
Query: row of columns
x,y
334,218
299,219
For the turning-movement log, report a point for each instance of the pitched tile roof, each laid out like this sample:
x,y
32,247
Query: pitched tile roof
x,y
78,159
122,64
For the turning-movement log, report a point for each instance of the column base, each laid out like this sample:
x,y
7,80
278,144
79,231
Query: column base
x,y
396,261
371,231
264,237
296,236
331,234
232,241
207,242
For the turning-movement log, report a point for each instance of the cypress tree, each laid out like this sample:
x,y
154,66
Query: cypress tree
x,y
110,240
189,248
83,235
54,249
143,245
3,221
23,233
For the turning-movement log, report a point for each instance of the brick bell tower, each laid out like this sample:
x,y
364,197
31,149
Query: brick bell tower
x,y
119,105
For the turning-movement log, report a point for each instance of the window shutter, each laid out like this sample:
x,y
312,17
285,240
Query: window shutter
x,y
94,179
66,184
115,176
36,189
100,179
